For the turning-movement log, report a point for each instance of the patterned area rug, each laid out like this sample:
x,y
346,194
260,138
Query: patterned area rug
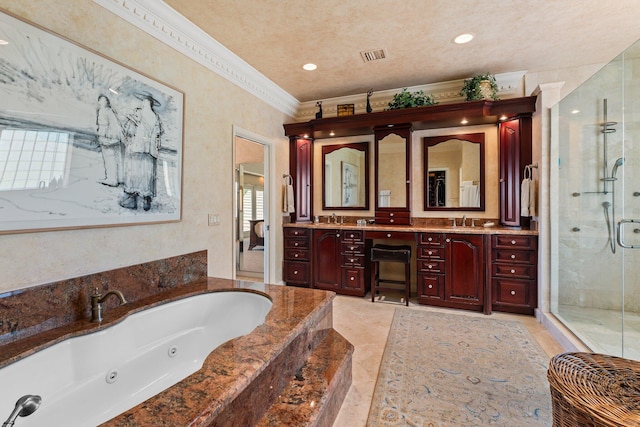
x,y
455,370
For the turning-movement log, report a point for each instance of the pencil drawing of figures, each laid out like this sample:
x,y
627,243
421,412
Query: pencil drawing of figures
x,y
110,141
142,133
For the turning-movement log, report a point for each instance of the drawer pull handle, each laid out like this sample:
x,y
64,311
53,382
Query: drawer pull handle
x,y
295,233
389,235
390,220
391,214
513,256
430,239
295,244
295,271
351,236
513,242
513,271
353,248
448,240
352,278
337,234
429,266
430,252
430,286
295,256
352,260
513,292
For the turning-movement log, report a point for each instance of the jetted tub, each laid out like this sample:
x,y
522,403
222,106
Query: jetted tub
x,y
87,380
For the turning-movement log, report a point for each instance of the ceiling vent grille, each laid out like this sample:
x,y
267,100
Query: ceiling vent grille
x,y
373,55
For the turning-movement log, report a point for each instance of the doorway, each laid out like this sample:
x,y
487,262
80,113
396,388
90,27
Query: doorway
x,y
251,225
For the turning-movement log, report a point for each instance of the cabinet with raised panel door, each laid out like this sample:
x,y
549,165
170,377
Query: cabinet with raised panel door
x,y
339,261
451,270
514,265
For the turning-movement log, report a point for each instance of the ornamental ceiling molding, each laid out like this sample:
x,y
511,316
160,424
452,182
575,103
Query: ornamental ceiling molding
x,y
510,85
161,21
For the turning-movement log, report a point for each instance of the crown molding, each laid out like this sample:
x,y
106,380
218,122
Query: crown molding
x,y
159,20
510,85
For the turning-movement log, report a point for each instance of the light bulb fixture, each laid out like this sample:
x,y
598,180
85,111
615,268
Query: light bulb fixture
x,y
309,67
332,133
463,38
3,42
502,118
464,122
576,111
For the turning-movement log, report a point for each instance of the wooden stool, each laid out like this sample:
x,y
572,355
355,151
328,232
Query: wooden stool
x,y
388,253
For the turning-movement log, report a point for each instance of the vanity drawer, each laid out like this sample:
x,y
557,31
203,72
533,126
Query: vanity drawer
x,y
296,254
430,286
352,248
431,239
514,271
512,291
433,266
503,241
296,244
290,232
352,260
392,235
430,252
353,236
397,218
353,279
296,272
514,256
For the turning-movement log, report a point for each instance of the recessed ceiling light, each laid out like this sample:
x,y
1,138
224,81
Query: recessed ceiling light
x,y
3,42
576,111
463,38
464,121
309,66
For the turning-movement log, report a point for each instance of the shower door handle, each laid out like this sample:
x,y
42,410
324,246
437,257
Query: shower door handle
x,y
619,233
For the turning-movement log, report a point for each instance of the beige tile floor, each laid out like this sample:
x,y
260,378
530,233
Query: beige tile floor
x,y
366,325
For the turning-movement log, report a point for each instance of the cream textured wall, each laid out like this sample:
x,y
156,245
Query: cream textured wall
x,y
212,107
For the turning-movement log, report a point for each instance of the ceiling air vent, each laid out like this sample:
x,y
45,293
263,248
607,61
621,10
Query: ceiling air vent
x,y
373,55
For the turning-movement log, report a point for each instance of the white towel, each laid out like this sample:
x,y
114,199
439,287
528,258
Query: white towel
x,y
525,197
532,197
288,201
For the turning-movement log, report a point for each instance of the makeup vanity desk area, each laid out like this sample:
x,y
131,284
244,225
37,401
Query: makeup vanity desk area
x,y
474,268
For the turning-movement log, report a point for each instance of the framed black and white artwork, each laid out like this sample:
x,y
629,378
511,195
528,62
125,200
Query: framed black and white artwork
x,y
85,141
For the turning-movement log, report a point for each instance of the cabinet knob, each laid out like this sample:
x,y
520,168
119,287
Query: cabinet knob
x,y
448,240
353,248
390,220
295,233
388,234
430,252
513,242
513,292
337,234
295,256
513,271
295,271
430,239
352,278
351,236
391,214
513,256
351,260
430,286
295,244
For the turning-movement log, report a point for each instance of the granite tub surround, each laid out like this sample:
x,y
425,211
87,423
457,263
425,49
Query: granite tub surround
x,y
33,311
241,379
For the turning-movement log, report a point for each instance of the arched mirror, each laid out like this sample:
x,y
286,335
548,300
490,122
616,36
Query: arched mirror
x,y
454,172
345,176
392,162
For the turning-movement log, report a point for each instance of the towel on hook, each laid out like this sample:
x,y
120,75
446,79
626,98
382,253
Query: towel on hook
x,y
288,203
532,197
527,194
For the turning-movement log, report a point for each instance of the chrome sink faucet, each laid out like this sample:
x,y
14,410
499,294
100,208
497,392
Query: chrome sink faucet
x,y
335,218
464,220
96,303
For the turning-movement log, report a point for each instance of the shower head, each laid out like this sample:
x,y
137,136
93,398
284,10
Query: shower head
x,y
25,406
617,164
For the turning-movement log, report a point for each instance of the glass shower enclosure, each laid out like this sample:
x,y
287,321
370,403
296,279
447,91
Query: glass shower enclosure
x,y
595,208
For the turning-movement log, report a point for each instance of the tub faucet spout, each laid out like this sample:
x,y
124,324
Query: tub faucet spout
x,y
96,303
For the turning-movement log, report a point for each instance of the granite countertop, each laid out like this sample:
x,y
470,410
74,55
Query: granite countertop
x,y
226,372
417,227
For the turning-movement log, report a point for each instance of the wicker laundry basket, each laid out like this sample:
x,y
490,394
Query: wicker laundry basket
x,y
589,389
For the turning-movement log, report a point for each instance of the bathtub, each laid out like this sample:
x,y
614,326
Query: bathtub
x,y
87,380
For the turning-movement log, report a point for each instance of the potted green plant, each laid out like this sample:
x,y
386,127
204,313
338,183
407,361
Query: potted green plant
x,y
406,99
481,86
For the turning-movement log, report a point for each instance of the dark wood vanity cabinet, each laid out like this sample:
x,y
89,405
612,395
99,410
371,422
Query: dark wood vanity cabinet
x,y
451,270
514,265
339,261
515,153
301,170
297,257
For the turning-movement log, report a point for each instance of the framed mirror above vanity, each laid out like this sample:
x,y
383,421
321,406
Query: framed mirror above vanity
x,y
392,174
345,176
454,172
